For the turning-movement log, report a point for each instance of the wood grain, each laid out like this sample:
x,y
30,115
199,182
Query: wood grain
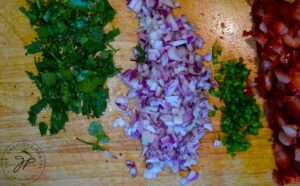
x,y
71,163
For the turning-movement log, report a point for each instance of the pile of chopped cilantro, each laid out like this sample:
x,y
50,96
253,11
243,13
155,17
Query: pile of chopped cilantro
x,y
240,113
76,58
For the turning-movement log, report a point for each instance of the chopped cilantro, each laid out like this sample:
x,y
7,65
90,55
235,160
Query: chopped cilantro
x,y
76,58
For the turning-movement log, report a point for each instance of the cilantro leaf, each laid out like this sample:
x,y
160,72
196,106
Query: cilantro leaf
x,y
142,55
96,130
43,128
35,110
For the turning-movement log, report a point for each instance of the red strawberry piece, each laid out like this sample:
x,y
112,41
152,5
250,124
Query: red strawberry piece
x,y
251,2
286,139
260,38
282,76
277,178
293,42
281,158
280,28
294,107
295,82
261,85
296,10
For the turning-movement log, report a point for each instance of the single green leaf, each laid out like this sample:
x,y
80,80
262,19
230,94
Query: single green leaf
x,y
35,110
33,48
32,17
58,120
112,34
142,55
43,128
95,129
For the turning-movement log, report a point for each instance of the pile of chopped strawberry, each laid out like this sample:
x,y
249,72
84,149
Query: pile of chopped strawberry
x,y
277,33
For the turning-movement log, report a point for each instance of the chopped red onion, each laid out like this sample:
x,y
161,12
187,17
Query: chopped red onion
x,y
122,102
193,175
168,92
217,143
132,168
133,172
120,122
130,163
108,154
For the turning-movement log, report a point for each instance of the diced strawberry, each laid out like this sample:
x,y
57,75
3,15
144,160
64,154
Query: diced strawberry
x,y
296,10
251,88
280,28
291,130
251,2
281,158
293,42
291,179
268,17
297,153
295,82
297,156
261,85
263,27
260,38
277,178
279,119
277,33
294,107
269,80
285,59
246,33
277,48
282,76
290,175
285,139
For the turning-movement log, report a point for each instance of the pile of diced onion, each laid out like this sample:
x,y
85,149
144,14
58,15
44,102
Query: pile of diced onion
x,y
167,104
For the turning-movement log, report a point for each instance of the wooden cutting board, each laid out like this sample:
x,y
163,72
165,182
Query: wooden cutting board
x,y
67,162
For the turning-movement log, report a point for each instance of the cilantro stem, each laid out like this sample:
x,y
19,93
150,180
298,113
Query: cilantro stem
x,y
112,48
85,142
95,146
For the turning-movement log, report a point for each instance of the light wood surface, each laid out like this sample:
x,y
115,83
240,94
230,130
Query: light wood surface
x,y
70,163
